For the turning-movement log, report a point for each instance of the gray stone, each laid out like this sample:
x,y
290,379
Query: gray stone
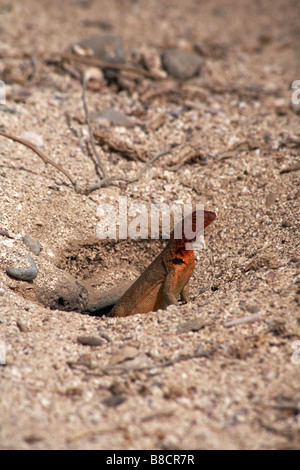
x,y
181,64
90,340
33,245
24,274
252,308
114,401
193,324
106,47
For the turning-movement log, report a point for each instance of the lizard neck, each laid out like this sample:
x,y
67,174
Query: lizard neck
x,y
177,247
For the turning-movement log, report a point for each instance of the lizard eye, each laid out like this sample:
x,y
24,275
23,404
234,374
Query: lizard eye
x,y
177,261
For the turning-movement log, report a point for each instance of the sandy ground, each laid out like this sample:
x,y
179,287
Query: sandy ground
x,y
181,378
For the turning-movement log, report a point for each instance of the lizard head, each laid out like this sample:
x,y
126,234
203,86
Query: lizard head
x,y
207,217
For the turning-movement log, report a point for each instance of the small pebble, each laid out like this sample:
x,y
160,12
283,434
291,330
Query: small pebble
x,y
33,245
128,352
194,324
5,233
24,274
286,224
22,326
90,340
181,64
252,308
107,47
114,401
270,199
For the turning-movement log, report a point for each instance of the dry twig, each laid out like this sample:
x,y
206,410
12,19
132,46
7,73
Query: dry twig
x,y
243,320
87,116
111,179
103,183
294,167
118,369
107,65
187,153
117,145
43,157
250,91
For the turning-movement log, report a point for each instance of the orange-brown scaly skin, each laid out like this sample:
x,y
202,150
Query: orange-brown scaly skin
x,y
164,280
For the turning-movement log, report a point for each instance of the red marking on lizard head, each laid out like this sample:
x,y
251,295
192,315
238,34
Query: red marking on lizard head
x,y
207,217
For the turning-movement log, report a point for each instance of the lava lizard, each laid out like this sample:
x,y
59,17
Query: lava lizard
x,y
166,278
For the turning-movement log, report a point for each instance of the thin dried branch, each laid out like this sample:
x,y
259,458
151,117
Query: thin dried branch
x,y
157,90
104,137
43,157
156,122
150,162
253,91
118,369
187,153
111,179
87,116
107,65
103,183
181,93
291,168
243,320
